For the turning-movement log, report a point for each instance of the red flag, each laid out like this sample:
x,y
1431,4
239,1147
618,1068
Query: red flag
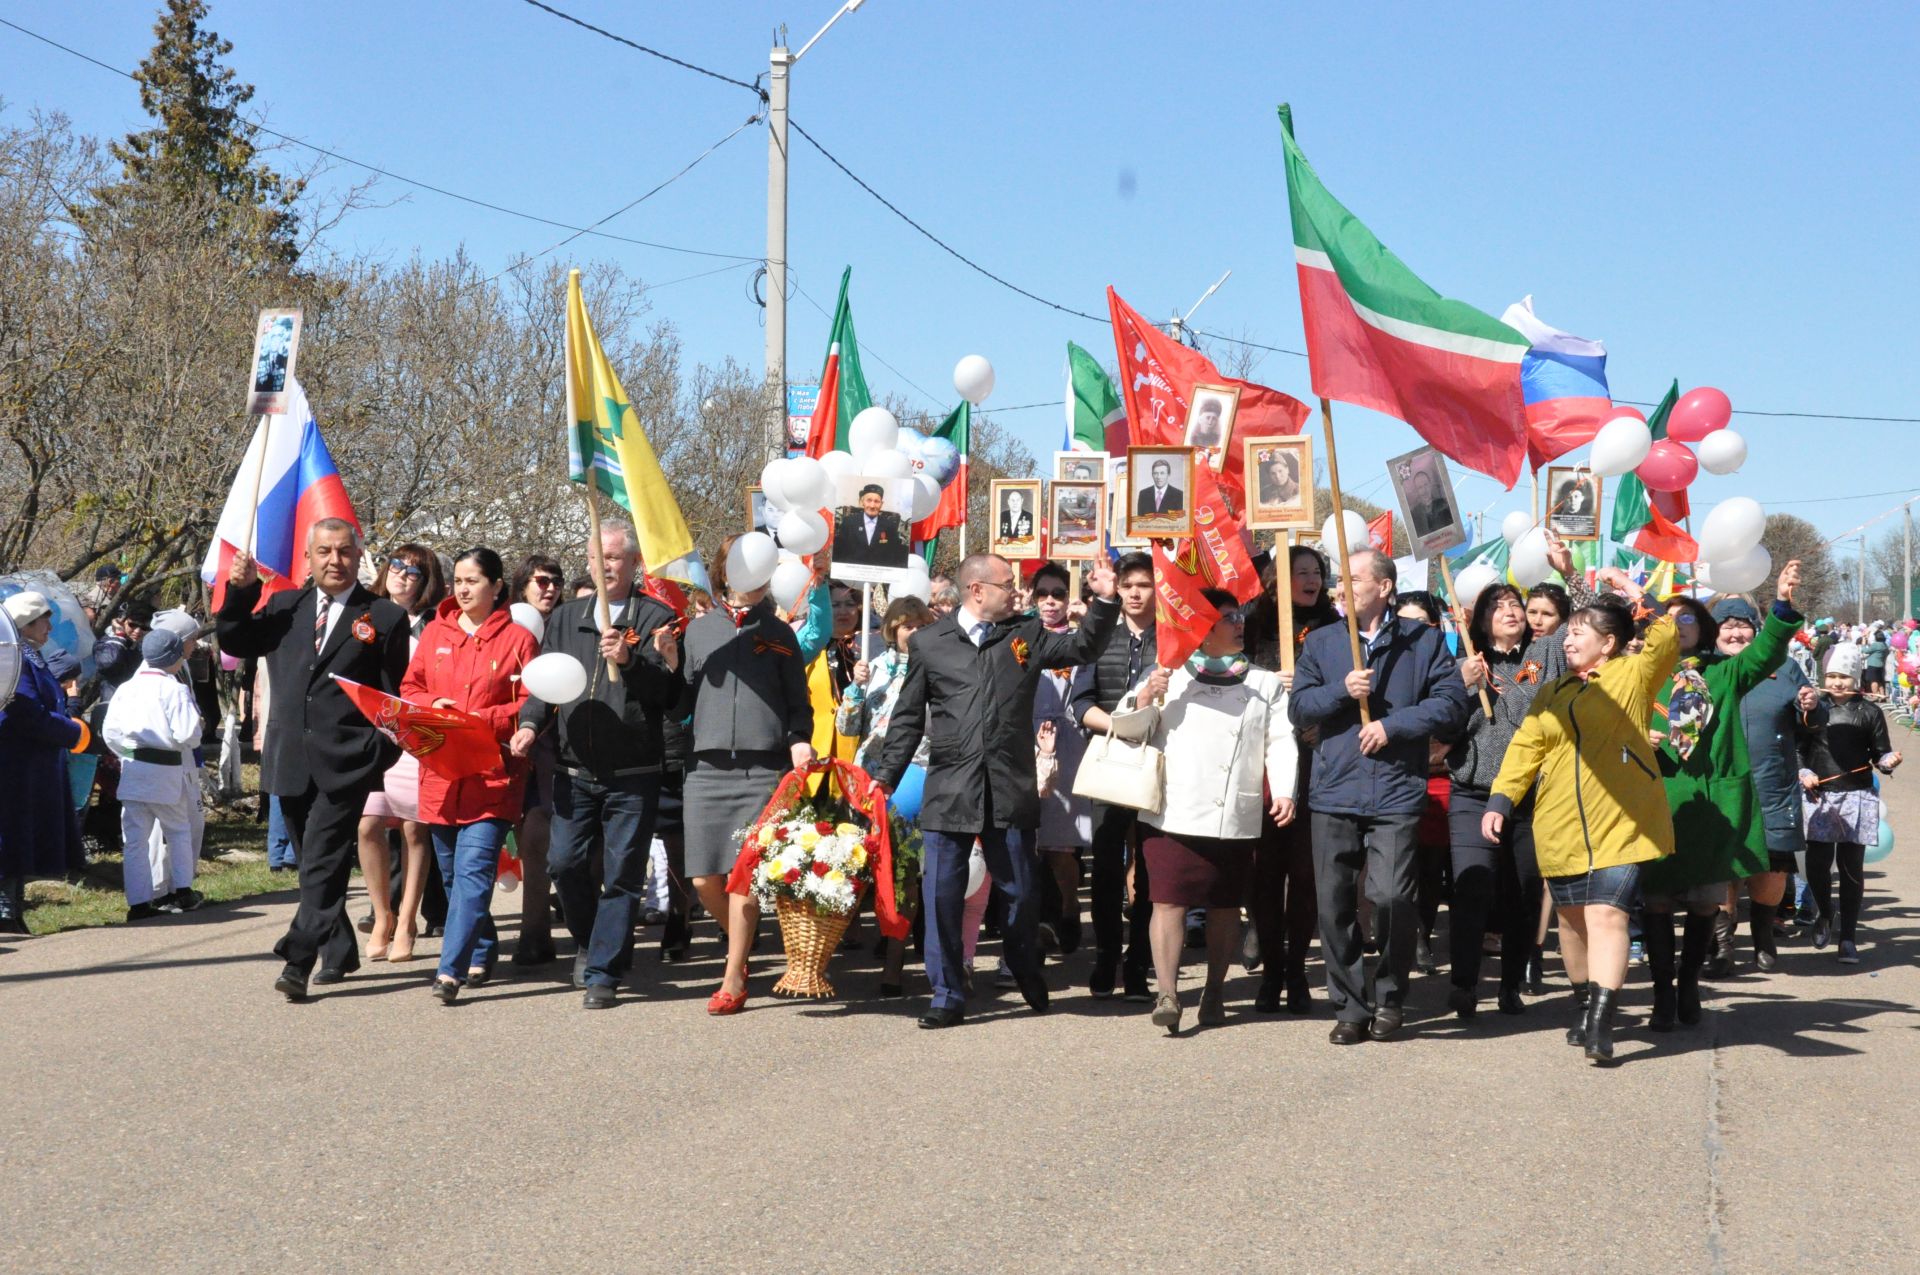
x,y
1661,538
1380,533
1157,376
452,744
1182,618
1218,543
666,592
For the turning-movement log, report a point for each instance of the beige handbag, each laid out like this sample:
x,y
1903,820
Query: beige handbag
x,y
1122,774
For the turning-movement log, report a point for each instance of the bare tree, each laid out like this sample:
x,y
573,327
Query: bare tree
x,y
1823,586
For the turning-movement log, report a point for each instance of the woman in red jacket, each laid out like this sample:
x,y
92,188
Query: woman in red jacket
x,y
469,658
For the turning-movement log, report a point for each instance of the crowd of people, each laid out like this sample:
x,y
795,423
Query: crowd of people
x,y
1587,759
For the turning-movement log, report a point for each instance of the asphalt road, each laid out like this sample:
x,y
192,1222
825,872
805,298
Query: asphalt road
x,y
165,1110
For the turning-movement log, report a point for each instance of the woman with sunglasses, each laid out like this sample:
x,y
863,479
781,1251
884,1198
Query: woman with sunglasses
x,y
1497,880
1066,821
540,582
1221,725
1719,830
412,580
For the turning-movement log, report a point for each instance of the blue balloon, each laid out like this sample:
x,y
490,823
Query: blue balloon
x,y
906,798
1884,846
941,458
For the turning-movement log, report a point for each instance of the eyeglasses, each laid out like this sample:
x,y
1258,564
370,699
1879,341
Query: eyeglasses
x,y
1056,593
407,569
998,584
547,582
1236,616
1686,620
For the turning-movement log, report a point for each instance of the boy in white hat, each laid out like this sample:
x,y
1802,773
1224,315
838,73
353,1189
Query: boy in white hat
x,y
153,726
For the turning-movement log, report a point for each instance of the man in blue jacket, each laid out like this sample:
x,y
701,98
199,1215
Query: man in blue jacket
x,y
1369,785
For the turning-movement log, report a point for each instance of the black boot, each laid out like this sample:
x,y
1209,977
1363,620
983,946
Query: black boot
x,y
1656,935
1721,966
1599,1040
1582,995
1695,938
1764,954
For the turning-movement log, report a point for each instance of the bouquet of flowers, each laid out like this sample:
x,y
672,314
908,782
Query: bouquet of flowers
x,y
814,857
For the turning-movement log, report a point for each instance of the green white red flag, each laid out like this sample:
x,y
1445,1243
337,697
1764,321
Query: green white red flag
x,y
1638,520
843,386
1094,410
1378,337
952,509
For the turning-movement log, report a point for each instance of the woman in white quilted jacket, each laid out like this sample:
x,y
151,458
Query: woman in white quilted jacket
x,y
1222,727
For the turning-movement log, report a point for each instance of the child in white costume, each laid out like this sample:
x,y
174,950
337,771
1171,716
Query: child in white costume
x,y
153,725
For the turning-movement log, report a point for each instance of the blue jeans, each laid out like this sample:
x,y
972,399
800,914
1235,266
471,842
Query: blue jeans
x,y
1014,867
279,844
617,820
469,856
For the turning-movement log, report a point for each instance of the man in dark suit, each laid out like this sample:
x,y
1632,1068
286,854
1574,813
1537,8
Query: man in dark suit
x,y
969,686
871,537
322,756
1161,498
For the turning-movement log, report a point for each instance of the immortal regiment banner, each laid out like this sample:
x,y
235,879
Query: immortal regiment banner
x,y
286,482
605,445
1563,379
452,744
843,386
1638,521
1378,337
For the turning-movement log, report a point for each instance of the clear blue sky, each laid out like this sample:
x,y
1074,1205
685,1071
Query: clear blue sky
x,y
1725,194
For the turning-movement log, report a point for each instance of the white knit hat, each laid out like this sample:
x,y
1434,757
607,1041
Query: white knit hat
x,y
1847,659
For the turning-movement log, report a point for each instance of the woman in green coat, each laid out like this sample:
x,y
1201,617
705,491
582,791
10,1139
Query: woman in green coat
x,y
1718,832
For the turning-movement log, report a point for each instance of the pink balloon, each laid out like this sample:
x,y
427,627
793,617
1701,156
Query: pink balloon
x,y
1698,413
1898,641
1621,409
1670,466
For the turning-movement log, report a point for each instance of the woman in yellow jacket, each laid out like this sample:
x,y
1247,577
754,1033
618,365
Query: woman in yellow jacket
x,y
1601,808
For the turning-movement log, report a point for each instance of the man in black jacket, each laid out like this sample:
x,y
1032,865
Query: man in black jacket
x,y
1129,658
970,681
606,794
322,756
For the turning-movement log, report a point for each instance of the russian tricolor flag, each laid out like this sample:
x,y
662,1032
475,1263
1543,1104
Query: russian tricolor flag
x,y
288,464
1563,382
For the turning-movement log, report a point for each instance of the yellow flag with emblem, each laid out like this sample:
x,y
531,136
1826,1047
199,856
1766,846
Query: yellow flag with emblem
x,y
607,447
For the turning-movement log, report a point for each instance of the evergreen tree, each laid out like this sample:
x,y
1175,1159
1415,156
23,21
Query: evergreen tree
x,y
202,147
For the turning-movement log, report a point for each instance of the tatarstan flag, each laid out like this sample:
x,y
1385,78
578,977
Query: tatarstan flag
x,y
952,509
843,386
1096,420
1638,522
1378,337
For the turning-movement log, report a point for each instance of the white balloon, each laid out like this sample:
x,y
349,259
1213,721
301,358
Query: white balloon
x,y
886,464
1356,535
1515,525
807,482
801,530
926,496
1734,526
528,617
1620,446
873,430
1722,452
1528,561
1748,571
1474,580
773,483
1702,576
750,562
790,583
973,379
917,567
509,882
838,465
976,872
915,587
555,677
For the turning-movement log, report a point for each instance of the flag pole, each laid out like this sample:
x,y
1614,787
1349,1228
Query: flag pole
x,y
598,560
1283,595
265,430
1340,536
1460,618
966,496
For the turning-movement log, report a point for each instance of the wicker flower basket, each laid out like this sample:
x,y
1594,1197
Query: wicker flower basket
x,y
810,939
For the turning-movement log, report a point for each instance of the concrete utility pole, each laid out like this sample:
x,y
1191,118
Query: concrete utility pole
x,y
1906,537
1862,606
780,62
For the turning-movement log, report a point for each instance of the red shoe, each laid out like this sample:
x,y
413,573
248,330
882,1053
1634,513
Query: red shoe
x,y
725,1002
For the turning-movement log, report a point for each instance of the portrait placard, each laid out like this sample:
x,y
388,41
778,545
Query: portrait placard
x,y
1279,483
1424,491
276,343
1015,506
1573,496
1210,413
1080,467
1119,496
1077,517
1159,479
872,529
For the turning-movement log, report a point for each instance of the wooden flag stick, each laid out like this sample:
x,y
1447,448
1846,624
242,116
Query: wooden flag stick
x,y
265,430
1283,595
1340,535
1460,618
598,560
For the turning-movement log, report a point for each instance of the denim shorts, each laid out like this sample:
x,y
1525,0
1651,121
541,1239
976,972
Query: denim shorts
x,y
1615,887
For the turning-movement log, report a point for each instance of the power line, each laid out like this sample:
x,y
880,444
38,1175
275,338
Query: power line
x,y
664,57
410,181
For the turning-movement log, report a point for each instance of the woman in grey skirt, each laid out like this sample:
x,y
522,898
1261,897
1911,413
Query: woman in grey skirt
x,y
751,722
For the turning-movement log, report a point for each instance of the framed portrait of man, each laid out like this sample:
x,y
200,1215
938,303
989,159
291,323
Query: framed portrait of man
x,y
1279,483
1160,482
1210,414
872,529
1573,498
761,515
1119,495
1077,517
1424,491
276,343
1080,467
1015,503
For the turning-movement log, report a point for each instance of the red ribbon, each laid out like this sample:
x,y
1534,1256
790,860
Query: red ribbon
x,y
867,799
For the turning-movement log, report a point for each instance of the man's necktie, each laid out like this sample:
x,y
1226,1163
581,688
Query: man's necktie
x,y
980,632
321,605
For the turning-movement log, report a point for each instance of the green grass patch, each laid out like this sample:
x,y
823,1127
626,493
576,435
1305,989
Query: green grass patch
x,y
53,906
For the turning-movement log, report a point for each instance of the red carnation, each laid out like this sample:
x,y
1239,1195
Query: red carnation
x,y
821,869
793,875
871,842
824,828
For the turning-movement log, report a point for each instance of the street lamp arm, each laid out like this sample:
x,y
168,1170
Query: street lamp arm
x,y
842,12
